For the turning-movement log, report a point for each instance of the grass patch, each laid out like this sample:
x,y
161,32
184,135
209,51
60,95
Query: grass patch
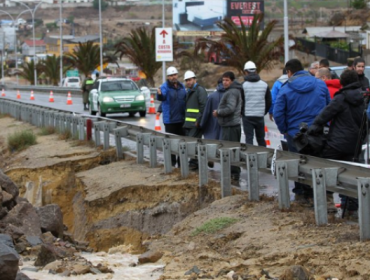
x,y
4,116
21,140
47,130
214,225
65,135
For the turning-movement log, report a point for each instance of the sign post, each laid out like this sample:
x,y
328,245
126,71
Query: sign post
x,y
163,44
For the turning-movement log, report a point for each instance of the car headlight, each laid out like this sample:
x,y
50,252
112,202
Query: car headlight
x,y
140,98
107,99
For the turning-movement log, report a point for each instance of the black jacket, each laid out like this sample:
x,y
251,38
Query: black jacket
x,y
196,99
364,82
345,112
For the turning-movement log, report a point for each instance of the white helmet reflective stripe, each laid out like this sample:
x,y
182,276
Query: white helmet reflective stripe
x,y
249,65
171,71
188,75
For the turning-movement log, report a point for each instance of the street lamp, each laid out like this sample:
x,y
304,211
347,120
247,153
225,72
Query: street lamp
x,y
33,32
100,39
15,35
61,42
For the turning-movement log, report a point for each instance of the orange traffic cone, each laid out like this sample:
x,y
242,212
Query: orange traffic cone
x,y
51,98
32,96
267,137
157,126
152,106
69,98
3,93
18,95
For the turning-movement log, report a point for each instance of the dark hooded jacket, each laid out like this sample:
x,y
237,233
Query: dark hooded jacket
x,y
364,82
345,112
209,124
229,109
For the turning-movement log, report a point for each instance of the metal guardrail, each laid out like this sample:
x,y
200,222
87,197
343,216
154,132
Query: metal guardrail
x,y
62,90
44,89
321,174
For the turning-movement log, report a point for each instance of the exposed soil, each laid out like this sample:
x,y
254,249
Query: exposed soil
x,y
110,203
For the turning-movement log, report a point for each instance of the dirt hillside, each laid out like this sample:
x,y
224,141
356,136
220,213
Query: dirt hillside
x,y
109,203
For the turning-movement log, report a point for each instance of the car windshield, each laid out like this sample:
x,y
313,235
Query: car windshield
x,y
73,80
118,85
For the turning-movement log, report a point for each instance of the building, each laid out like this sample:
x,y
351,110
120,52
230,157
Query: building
x,y
69,43
29,50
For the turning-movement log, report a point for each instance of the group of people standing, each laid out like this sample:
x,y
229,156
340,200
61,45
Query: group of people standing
x,y
317,97
188,110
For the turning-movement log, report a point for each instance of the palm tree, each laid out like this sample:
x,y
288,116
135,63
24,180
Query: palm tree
x,y
51,67
28,72
239,44
139,47
86,57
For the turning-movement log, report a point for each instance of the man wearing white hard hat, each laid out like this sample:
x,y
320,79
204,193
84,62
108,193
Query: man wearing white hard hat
x,y
257,102
172,93
196,99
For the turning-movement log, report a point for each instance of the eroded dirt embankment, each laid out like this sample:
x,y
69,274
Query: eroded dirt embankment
x,y
104,201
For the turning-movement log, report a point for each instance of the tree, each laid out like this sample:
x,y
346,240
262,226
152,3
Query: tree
x,y
86,57
139,47
358,4
51,67
239,45
28,72
104,5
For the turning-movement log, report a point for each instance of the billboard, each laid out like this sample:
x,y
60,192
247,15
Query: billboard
x,y
199,17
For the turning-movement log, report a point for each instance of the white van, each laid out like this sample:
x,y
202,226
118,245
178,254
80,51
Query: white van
x,y
71,82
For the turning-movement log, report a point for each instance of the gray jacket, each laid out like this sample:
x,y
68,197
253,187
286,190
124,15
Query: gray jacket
x,y
229,108
257,96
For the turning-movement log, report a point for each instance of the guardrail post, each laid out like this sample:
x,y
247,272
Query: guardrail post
x,y
74,126
184,161
225,160
363,188
51,119
18,113
153,151
118,134
42,118
286,169
106,135
141,139
97,127
81,129
68,126
57,122
253,179
166,146
283,182
203,163
319,191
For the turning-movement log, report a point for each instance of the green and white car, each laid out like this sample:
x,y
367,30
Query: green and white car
x,y
116,95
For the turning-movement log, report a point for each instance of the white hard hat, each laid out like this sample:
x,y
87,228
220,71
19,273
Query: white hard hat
x,y
171,71
250,66
188,75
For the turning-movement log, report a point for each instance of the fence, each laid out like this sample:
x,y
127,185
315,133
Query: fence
x,y
321,174
323,50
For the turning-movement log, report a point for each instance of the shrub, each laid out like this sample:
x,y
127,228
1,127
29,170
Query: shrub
x,y
21,140
47,130
214,225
